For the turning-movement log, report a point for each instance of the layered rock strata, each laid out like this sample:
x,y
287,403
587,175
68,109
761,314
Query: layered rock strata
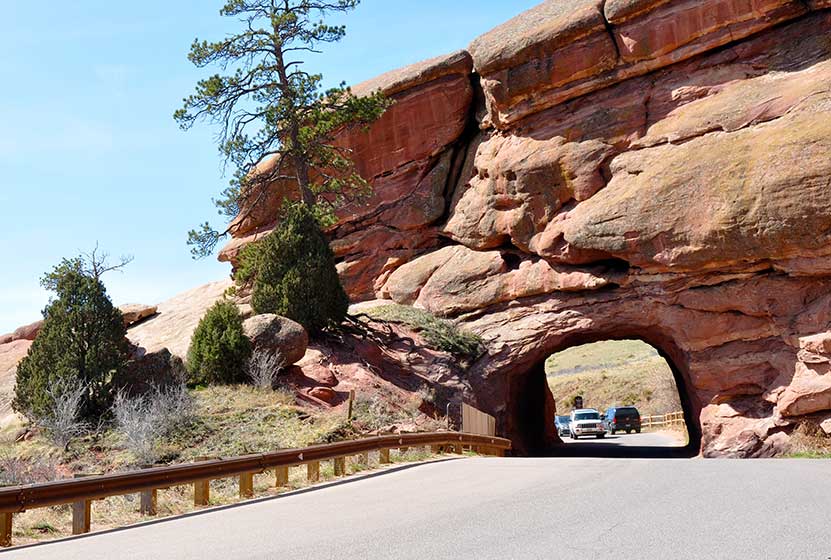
x,y
655,169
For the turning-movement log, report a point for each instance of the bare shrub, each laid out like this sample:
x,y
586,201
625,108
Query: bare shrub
x,y
264,367
144,420
61,421
15,470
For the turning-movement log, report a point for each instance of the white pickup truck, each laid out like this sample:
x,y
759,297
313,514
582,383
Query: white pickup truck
x,y
586,422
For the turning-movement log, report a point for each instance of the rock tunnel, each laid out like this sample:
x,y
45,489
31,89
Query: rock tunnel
x,y
530,407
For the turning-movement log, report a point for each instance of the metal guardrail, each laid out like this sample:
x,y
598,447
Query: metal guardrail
x,y
671,419
80,492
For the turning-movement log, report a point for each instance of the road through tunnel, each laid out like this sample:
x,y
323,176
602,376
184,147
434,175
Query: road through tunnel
x,y
607,374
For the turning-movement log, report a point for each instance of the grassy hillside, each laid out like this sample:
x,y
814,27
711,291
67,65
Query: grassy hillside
x,y
614,372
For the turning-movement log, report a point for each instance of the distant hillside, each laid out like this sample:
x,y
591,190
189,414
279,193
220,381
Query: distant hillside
x,y
614,372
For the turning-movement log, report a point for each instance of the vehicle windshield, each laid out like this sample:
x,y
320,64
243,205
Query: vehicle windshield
x,y
587,416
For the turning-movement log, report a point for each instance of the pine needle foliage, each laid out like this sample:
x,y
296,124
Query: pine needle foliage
x,y
276,124
219,350
296,275
82,343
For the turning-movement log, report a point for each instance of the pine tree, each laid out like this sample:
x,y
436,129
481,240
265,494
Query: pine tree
x,y
296,274
82,343
275,122
219,349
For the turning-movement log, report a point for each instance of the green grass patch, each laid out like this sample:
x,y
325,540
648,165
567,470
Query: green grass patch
x,y
440,334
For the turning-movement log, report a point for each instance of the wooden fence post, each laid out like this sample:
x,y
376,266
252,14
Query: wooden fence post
x,y
201,492
351,404
246,485
313,471
149,501
384,456
340,466
6,518
281,476
81,517
81,514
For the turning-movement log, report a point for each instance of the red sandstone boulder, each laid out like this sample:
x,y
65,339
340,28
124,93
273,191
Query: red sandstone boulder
x,y
135,312
325,394
457,279
717,201
28,332
518,187
273,333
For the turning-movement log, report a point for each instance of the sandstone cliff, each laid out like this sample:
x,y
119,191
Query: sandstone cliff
x,y
602,169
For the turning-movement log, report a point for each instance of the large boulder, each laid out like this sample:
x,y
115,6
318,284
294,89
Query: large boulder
x,y
274,333
135,312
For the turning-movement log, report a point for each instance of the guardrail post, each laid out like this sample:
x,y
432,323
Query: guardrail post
x,y
81,514
281,476
435,449
201,492
340,466
149,500
6,518
313,471
384,456
81,517
246,485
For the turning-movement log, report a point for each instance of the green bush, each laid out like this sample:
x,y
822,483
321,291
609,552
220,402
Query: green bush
x,y
438,333
81,345
219,349
296,275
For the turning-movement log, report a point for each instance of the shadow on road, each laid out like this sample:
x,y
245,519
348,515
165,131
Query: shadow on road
x,y
616,447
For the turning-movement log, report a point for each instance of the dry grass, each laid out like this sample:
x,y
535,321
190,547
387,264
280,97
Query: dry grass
x,y
808,441
228,421
120,511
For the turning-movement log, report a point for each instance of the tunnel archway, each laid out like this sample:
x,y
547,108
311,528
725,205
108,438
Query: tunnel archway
x,y
530,408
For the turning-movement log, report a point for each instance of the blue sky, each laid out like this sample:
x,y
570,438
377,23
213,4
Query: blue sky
x,y
89,151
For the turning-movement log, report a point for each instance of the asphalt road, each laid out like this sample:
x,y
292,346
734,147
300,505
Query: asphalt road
x,y
575,508
644,439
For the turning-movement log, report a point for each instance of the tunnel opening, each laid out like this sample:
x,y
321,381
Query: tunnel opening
x,y
612,376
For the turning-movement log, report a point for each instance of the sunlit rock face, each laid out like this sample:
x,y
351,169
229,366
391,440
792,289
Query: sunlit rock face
x,y
630,168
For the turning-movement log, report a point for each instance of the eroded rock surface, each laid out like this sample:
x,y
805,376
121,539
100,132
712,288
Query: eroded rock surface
x,y
634,168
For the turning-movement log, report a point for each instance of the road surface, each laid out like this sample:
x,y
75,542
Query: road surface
x,y
575,508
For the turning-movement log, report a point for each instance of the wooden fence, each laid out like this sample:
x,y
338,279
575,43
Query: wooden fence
x,y
475,421
671,419
81,492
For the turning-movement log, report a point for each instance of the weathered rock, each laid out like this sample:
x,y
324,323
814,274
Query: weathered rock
x,y
628,179
457,279
27,332
716,201
561,50
543,49
274,333
519,186
148,371
135,312
10,355
825,426
172,327
326,394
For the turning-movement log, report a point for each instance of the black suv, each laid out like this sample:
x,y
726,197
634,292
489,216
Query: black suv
x,y
618,419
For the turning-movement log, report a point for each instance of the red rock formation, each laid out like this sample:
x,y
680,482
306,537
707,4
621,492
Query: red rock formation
x,y
643,168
